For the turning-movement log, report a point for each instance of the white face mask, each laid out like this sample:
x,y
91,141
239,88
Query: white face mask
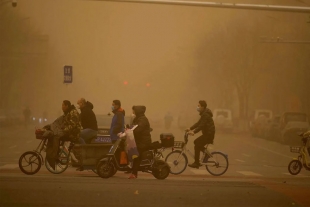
x,y
133,115
198,108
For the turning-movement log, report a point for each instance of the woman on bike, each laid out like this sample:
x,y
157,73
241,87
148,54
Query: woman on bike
x,y
142,137
206,126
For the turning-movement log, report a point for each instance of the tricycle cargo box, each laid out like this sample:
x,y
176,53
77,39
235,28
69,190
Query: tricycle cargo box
x,y
167,139
90,154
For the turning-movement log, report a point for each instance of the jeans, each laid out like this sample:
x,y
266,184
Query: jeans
x,y
86,135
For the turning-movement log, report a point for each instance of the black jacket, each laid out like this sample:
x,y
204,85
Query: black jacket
x,y
205,124
88,118
142,132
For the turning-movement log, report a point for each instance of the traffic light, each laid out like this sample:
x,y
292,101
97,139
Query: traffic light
x,y
14,3
125,82
148,85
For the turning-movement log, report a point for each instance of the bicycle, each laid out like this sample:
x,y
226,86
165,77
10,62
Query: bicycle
x,y
303,160
216,162
30,162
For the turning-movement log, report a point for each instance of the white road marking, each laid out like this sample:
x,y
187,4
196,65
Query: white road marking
x,y
9,166
266,149
239,160
246,155
250,173
12,146
200,171
299,175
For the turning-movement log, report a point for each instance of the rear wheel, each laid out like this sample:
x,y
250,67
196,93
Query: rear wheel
x,y
177,162
294,167
30,163
61,164
105,168
217,164
160,170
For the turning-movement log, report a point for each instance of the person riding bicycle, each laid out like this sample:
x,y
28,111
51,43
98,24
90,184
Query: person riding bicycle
x,y
142,134
65,127
206,125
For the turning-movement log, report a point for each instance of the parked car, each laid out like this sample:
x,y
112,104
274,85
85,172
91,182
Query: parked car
x,y
104,123
259,121
223,120
271,129
292,124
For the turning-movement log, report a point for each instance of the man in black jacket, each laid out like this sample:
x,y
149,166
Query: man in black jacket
x,y
88,121
206,126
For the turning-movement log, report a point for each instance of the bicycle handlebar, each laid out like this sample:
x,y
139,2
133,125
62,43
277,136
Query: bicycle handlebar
x,y
186,137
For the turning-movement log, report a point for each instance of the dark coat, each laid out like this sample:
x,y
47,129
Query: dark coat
x,y
117,124
88,118
142,131
205,125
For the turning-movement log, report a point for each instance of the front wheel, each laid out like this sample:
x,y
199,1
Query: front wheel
x,y
30,163
177,162
105,168
294,167
217,164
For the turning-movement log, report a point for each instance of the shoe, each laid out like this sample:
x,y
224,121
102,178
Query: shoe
x,y
132,176
194,165
79,169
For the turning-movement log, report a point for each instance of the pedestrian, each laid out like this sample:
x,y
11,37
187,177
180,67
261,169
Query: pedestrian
x,y
206,125
168,120
27,114
142,134
88,121
118,120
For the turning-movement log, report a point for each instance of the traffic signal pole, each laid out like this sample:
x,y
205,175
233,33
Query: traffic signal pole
x,y
220,5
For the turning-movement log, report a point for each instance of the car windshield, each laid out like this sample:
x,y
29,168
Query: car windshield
x,y
266,114
105,120
296,117
223,113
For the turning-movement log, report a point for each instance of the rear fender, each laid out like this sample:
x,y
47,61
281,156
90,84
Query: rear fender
x,y
226,155
159,164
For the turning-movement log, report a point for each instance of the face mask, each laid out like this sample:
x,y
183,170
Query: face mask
x,y
112,107
133,115
198,109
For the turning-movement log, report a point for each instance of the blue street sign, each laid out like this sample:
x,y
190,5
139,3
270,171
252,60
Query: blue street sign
x,y
68,71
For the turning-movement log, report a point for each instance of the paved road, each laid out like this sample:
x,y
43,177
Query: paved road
x,y
257,176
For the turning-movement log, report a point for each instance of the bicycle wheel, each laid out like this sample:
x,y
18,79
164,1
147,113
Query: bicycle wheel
x,y
105,169
30,163
217,164
177,162
61,164
294,167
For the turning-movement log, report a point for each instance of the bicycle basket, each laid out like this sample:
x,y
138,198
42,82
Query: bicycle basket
x,y
295,149
39,133
178,144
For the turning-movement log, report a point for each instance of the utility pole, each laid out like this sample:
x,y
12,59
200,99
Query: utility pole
x,y
298,9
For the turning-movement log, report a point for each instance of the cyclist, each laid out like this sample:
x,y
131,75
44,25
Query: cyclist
x,y
206,126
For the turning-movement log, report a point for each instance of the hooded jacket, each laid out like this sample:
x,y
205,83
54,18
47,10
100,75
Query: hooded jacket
x,y
142,131
117,124
205,124
88,118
